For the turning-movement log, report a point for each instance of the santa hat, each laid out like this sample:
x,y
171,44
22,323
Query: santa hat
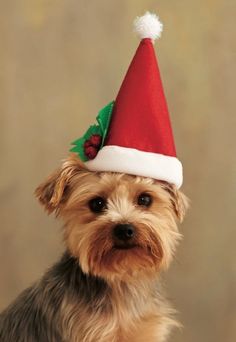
x,y
134,133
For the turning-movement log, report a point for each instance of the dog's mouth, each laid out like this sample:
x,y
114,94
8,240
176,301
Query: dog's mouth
x,y
125,246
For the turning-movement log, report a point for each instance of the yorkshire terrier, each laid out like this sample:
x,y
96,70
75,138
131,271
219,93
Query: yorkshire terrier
x,y
120,232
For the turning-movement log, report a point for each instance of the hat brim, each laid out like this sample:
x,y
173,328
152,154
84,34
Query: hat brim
x,y
139,163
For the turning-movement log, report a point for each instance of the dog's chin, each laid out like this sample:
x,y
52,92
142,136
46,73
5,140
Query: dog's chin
x,y
125,262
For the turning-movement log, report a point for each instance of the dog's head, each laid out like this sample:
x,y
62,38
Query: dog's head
x,y
116,225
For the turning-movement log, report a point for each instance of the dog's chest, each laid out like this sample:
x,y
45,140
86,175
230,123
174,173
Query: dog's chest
x,y
135,322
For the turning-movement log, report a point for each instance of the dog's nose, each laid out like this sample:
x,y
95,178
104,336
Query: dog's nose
x,y
124,232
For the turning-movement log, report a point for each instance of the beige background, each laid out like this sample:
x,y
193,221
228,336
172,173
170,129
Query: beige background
x,y
60,62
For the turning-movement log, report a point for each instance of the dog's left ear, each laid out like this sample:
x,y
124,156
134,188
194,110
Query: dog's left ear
x,y
52,192
179,201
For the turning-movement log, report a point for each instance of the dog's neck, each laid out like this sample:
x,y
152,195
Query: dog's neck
x,y
76,283
107,296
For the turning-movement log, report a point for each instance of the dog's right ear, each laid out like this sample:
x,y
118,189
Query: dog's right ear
x,y
52,192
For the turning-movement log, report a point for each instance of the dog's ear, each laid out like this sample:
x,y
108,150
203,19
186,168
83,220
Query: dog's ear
x,y
52,192
179,201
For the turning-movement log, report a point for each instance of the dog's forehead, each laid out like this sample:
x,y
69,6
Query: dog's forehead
x,y
120,180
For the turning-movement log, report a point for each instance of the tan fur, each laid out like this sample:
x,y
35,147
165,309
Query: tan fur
x,y
132,318
137,311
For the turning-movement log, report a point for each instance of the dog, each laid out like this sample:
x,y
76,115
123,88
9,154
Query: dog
x,y
120,233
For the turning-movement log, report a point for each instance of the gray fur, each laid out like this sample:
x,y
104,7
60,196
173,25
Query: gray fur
x,y
35,316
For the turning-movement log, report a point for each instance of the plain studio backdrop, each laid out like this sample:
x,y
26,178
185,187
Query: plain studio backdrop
x,y
62,61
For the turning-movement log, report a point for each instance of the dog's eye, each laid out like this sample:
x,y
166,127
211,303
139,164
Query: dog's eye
x,y
144,200
97,204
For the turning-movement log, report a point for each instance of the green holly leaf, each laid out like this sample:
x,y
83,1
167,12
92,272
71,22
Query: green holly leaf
x,y
103,119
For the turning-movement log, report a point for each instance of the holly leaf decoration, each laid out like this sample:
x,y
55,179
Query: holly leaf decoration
x,y
103,120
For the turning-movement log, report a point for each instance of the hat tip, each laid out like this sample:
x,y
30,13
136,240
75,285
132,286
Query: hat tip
x,y
148,26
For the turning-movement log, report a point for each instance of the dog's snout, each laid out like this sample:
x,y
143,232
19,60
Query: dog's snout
x,y
124,232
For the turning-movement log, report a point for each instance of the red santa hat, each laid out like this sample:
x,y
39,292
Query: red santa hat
x,y
134,134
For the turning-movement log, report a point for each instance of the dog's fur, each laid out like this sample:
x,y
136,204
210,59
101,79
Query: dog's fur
x,y
100,291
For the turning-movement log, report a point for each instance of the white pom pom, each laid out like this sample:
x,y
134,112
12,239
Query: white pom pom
x,y
148,26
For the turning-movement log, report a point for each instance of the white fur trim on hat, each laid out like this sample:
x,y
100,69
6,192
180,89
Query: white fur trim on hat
x,y
138,163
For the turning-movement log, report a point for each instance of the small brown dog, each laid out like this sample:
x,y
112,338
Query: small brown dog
x,y
120,227
120,232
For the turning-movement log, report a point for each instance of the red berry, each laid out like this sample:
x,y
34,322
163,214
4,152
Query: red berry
x,y
90,152
87,143
96,140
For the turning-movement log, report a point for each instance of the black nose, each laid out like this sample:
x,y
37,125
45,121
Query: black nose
x,y
124,232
